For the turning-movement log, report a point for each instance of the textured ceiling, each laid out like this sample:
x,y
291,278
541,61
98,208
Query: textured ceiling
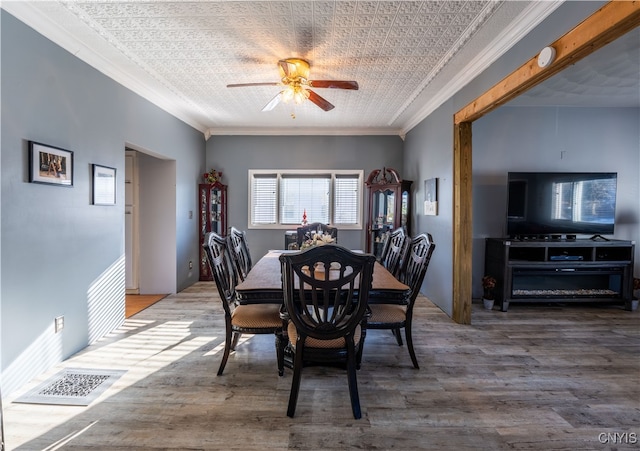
x,y
407,56
609,77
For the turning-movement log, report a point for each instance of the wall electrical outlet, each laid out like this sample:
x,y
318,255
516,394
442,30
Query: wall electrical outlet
x,y
59,323
190,265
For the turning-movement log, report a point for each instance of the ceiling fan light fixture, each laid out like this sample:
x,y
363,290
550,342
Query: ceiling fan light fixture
x,y
296,85
296,93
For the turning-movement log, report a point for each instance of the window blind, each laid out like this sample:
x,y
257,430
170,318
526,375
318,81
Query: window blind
x,y
300,194
282,197
264,198
347,196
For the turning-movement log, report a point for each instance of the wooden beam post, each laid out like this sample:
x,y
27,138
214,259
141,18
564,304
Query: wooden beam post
x,y
462,223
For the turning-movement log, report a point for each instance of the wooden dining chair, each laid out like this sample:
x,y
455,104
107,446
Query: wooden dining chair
x,y
394,316
239,250
239,319
307,231
395,248
325,295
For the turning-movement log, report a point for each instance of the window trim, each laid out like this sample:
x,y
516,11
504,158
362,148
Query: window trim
x,y
359,225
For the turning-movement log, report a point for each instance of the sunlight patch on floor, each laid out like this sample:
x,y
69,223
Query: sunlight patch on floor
x,y
244,338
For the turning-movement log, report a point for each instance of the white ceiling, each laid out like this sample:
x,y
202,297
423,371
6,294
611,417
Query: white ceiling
x,y
609,77
407,56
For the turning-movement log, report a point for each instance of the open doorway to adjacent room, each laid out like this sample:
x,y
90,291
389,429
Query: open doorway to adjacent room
x,y
150,229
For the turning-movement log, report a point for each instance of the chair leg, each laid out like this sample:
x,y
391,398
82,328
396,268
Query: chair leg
x,y
353,381
396,333
295,381
412,353
280,344
360,348
236,338
227,347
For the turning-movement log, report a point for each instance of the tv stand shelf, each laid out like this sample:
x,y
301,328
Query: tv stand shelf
x,y
581,270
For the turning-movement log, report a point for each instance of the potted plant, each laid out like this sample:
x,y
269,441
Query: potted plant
x,y
488,284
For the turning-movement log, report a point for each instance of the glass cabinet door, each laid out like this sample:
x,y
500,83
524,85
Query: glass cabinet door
x,y
382,217
212,199
215,211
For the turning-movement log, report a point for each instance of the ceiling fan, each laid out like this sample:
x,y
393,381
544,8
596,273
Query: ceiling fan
x,y
296,83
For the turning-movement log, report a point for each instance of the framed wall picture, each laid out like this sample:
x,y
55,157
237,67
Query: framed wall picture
x,y
50,165
103,186
431,196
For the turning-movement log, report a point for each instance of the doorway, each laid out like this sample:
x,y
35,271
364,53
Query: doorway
x,y
150,225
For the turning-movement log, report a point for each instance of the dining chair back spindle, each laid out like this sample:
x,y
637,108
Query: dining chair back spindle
x,y
239,250
325,292
394,316
395,248
239,319
384,241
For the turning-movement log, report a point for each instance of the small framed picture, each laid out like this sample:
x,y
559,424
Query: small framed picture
x,y
431,197
431,190
50,165
103,185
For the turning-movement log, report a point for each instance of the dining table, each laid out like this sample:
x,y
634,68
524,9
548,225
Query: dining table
x,y
263,283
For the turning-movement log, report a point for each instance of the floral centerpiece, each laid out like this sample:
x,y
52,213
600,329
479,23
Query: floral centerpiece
x,y
212,176
316,239
488,284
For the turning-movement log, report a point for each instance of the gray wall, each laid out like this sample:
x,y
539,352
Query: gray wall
x,y
235,155
60,254
428,154
157,191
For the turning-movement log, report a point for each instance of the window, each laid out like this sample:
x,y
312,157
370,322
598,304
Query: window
x,y
279,199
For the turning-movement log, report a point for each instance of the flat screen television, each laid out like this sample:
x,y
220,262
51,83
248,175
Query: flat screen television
x,y
556,203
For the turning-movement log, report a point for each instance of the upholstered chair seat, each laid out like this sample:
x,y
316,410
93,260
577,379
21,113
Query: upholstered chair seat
x,y
388,313
311,342
256,316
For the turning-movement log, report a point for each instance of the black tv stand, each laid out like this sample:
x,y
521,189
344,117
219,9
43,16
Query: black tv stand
x,y
580,270
599,237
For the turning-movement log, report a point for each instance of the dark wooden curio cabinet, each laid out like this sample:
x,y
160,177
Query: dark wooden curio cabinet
x,y
212,205
389,206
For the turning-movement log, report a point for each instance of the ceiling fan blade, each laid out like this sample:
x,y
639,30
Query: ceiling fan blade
x,y
240,85
320,101
273,102
284,68
338,84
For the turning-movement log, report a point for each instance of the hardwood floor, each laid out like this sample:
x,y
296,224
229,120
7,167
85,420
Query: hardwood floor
x,y
536,377
135,303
